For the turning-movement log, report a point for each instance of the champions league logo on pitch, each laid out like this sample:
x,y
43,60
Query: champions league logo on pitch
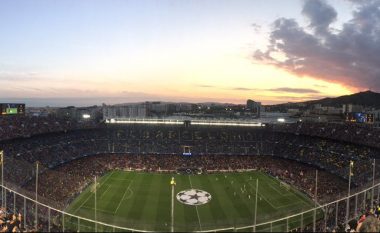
x,y
193,197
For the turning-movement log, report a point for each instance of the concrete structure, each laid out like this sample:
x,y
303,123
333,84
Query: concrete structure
x,y
125,111
254,107
348,108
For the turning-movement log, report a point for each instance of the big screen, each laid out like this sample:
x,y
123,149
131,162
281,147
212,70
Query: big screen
x,y
12,109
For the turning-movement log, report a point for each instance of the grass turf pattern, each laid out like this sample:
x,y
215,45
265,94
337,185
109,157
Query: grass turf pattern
x,y
143,201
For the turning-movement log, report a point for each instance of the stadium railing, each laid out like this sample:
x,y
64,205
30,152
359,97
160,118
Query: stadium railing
x,y
50,215
323,217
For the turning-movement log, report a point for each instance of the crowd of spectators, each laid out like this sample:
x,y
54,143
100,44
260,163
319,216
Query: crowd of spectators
x,y
55,149
69,159
27,126
363,134
10,222
368,220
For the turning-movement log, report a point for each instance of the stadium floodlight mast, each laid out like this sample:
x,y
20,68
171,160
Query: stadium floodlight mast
x,y
37,194
373,181
95,218
349,190
255,211
172,183
315,201
2,176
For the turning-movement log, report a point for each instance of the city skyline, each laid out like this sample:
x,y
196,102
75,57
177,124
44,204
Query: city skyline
x,y
193,51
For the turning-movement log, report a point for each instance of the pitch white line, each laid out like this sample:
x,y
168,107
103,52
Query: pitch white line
x,y
99,210
279,192
108,187
91,194
122,199
196,207
263,197
121,179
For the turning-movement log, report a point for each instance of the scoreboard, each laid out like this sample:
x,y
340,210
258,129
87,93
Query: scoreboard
x,y
12,109
358,117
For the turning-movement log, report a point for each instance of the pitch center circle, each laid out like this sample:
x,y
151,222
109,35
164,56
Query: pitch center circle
x,y
194,197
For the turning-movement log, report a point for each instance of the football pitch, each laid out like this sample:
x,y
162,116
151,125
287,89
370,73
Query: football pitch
x,y
142,201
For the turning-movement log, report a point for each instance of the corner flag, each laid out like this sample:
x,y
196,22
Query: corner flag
x,y
172,182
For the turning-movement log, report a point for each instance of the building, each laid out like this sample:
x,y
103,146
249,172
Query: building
x,y
254,107
349,108
376,114
125,111
82,113
293,111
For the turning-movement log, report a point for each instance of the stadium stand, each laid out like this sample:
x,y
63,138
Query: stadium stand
x,y
71,153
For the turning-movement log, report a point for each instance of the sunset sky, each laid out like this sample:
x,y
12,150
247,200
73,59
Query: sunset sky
x,y
79,52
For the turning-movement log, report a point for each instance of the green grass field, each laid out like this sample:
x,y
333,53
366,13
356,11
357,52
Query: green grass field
x,y
143,201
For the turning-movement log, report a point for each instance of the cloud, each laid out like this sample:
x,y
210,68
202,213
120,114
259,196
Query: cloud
x,y
348,56
320,15
256,27
242,89
320,86
207,86
361,2
18,76
279,89
294,90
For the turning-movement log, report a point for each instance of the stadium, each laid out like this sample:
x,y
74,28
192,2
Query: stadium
x,y
166,175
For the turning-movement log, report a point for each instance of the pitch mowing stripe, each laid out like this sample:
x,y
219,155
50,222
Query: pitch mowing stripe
x,y
283,210
264,205
138,202
151,205
196,207
108,187
248,198
162,210
86,194
242,207
124,196
188,215
105,205
88,190
292,193
154,212
223,192
112,199
276,200
125,204
214,208
77,207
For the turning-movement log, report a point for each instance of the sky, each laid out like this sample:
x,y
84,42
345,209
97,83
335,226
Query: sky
x,y
84,52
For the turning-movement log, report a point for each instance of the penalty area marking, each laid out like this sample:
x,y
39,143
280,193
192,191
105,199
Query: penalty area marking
x,y
130,194
108,187
262,196
279,192
92,193
299,201
123,198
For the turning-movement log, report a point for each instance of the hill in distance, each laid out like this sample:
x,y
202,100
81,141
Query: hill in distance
x,y
366,99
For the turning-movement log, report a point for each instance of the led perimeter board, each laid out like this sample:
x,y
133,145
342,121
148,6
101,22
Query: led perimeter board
x,y
12,109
